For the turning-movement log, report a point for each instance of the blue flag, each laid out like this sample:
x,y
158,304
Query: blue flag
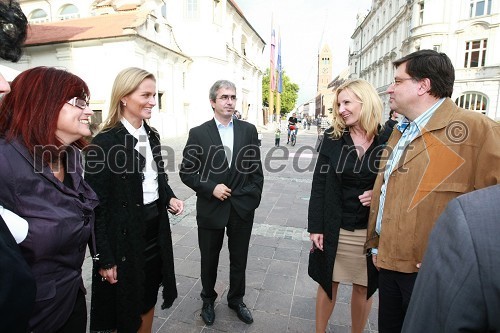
x,y
280,78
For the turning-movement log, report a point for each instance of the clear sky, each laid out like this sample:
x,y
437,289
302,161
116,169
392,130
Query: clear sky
x,y
305,25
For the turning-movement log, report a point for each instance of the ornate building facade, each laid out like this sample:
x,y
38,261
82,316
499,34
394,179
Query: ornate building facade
x,y
186,44
468,31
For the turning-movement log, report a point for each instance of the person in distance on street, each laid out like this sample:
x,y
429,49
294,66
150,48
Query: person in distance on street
x,y
389,125
292,122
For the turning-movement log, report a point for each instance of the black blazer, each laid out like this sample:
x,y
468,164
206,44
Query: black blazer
x,y
17,285
112,169
204,166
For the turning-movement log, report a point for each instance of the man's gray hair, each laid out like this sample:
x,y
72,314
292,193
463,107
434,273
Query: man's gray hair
x,y
220,84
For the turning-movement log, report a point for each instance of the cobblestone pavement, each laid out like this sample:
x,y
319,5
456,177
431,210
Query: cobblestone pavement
x,y
279,291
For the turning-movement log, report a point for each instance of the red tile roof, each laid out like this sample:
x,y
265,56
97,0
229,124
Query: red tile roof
x,y
94,27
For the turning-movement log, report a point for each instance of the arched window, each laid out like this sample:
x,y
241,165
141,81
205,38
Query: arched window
x,y
164,10
38,16
233,34
473,101
68,11
243,45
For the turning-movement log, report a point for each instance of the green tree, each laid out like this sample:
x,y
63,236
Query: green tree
x,y
288,95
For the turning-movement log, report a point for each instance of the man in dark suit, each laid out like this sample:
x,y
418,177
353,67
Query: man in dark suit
x,y
458,285
17,284
222,164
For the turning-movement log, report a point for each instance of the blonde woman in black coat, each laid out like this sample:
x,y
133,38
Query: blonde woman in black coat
x,y
124,167
340,197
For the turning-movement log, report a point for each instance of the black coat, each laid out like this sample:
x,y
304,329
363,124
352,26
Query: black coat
x,y
112,169
17,285
325,209
205,165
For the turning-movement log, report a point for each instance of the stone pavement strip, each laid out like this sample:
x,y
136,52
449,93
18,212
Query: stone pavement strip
x,y
279,291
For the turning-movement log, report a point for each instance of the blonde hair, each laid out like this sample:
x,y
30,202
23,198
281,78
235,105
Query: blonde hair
x,y
126,82
371,108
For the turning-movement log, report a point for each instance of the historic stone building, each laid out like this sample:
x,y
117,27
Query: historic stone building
x,y
187,44
468,31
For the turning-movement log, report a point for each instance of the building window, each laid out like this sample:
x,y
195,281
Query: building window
x,y
233,35
68,12
473,101
164,11
421,13
38,16
191,9
96,118
475,53
161,102
217,12
480,7
243,45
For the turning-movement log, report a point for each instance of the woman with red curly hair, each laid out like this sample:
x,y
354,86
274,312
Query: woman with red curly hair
x,y
42,124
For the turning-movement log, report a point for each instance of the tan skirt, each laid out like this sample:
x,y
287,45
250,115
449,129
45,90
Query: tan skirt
x,y
350,261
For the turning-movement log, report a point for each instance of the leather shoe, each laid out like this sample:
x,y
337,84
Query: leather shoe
x,y
208,313
243,313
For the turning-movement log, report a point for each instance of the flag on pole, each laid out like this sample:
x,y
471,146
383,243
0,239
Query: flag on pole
x,y
272,69
280,78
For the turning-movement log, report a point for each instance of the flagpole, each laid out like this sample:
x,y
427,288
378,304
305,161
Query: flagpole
x,y
279,83
272,71
278,106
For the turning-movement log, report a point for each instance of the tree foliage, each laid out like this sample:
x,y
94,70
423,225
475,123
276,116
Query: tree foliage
x,y
289,94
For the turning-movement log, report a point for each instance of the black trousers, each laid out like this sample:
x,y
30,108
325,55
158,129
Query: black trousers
x,y
395,290
210,242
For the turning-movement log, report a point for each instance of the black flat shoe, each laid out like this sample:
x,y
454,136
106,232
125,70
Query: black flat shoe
x,y
208,313
242,311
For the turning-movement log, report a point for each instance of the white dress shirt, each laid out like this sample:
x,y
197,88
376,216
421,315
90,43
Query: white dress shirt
x,y
226,134
150,172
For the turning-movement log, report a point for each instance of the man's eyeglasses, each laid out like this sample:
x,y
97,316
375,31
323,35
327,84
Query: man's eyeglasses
x,y
78,102
226,98
397,82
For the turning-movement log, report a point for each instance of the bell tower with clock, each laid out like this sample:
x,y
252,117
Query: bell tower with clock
x,y
324,68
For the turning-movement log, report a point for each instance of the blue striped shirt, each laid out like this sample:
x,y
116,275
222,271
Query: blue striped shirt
x,y
410,130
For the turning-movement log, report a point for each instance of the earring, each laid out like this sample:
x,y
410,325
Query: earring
x,y
124,103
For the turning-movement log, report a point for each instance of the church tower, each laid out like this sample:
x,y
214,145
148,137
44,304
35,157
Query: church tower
x,y
324,68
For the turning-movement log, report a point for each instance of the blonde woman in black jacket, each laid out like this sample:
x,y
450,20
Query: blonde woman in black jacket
x,y
124,167
340,197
